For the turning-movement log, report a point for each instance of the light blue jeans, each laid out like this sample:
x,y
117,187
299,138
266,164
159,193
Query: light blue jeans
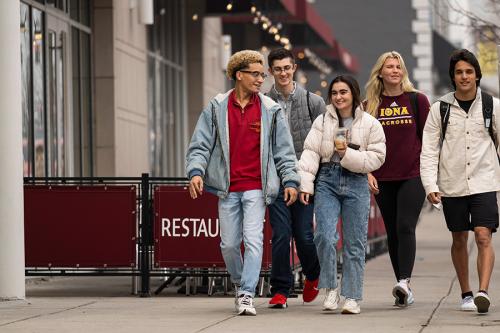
x,y
341,192
241,216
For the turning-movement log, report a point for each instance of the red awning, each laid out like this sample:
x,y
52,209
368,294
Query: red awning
x,y
302,23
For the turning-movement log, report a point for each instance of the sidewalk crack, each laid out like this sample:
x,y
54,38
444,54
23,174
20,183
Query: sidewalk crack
x,y
47,314
427,323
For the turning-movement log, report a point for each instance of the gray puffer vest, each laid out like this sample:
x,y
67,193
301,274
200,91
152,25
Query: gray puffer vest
x,y
300,121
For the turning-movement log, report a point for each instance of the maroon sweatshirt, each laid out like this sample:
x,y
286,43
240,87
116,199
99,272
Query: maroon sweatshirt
x,y
403,143
244,144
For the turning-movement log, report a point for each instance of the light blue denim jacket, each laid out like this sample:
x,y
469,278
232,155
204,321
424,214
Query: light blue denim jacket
x,y
208,152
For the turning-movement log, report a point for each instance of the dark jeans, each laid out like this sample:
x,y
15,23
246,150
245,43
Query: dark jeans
x,y
400,203
297,221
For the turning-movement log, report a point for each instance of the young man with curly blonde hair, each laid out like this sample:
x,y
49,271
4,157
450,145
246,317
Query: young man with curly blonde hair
x,y
241,150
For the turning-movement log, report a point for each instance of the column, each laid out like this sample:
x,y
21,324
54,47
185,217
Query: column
x,y
11,162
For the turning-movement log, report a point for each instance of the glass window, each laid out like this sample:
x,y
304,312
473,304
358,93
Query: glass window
x,y
166,87
49,52
73,9
86,114
75,61
55,117
82,115
59,4
26,90
38,93
85,12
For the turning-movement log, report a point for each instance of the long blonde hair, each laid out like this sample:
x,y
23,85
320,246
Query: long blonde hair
x,y
375,86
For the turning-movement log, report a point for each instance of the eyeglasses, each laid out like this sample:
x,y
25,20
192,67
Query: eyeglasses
x,y
278,70
255,74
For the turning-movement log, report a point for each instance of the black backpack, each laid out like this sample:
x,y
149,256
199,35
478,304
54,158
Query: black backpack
x,y
487,100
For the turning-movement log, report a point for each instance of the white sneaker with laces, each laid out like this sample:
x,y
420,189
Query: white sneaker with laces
x,y
332,299
467,304
245,305
401,293
482,302
351,306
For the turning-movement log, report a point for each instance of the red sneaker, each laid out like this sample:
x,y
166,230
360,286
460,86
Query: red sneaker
x,y
310,290
278,301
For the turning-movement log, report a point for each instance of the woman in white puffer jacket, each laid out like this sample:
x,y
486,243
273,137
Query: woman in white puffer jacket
x,y
341,188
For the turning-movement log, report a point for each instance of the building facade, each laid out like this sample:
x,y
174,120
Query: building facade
x,y
106,93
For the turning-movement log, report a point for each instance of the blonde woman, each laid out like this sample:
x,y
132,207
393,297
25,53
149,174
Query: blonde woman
x,y
402,111
341,188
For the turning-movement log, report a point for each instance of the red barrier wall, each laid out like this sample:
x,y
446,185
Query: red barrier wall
x,y
187,230
80,226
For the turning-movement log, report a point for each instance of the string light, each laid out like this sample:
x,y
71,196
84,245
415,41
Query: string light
x,y
195,17
229,6
268,26
324,84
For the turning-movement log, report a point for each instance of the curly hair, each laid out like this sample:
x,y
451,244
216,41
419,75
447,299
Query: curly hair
x,y
375,86
241,60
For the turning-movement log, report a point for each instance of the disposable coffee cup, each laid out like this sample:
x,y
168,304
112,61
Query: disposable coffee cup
x,y
340,138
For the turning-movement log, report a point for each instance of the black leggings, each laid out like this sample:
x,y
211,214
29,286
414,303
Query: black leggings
x,y
400,203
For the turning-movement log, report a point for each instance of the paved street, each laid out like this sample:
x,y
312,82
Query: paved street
x,y
99,304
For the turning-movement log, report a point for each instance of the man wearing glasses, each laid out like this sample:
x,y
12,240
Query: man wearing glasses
x,y
240,149
301,108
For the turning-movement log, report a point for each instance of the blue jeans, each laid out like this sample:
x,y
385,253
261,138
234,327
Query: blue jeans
x,y
287,221
341,192
241,216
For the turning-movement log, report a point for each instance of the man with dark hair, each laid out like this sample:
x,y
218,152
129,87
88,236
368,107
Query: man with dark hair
x,y
242,151
460,168
300,108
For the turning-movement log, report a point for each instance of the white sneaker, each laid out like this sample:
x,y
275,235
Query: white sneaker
x,y
332,299
482,301
351,306
411,298
467,304
401,293
245,305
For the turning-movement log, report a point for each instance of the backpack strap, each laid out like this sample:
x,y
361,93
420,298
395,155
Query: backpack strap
x,y
414,106
487,102
444,110
309,107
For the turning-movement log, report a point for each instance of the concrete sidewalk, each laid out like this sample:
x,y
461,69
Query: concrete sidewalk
x,y
97,304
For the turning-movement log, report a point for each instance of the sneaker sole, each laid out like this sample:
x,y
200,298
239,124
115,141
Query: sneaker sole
x,y
401,296
345,311
468,309
330,309
278,306
247,312
482,304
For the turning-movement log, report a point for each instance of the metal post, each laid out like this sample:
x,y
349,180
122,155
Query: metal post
x,y
12,285
146,236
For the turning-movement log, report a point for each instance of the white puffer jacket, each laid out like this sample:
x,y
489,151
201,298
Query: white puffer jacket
x,y
366,131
